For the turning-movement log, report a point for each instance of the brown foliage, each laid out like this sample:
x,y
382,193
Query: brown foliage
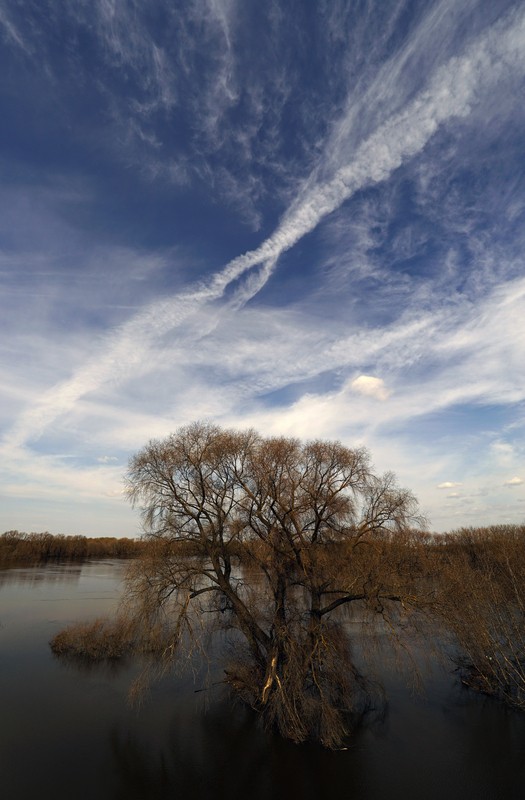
x,y
94,641
483,607
104,639
17,547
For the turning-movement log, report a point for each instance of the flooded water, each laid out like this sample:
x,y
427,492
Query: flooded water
x,y
71,733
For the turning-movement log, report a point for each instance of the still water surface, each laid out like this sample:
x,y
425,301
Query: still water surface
x,y
70,733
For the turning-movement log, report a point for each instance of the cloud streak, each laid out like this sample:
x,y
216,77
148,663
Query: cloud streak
x,y
387,297
450,94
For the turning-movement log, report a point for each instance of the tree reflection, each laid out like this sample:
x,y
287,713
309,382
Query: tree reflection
x,y
224,753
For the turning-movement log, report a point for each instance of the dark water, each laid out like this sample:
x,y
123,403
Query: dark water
x,y
70,733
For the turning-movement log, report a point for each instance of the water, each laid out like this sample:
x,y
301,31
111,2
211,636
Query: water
x,y
71,733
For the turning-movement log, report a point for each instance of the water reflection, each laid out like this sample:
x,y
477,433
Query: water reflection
x,y
422,749
92,573
106,669
223,753
35,602
70,733
29,576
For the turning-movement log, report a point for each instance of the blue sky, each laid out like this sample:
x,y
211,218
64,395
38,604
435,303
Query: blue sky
x,y
306,218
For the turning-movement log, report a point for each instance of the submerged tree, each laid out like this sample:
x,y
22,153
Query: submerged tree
x,y
272,540
278,543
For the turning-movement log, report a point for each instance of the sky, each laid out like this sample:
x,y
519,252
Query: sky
x,y
305,218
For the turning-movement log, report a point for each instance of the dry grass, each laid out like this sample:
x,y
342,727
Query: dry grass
x,y
94,641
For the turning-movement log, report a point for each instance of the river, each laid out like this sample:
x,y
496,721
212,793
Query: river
x,y
67,732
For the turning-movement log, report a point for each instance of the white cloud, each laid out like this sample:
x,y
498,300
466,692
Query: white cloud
x,y
370,387
12,32
503,453
448,485
127,41
516,481
502,448
211,355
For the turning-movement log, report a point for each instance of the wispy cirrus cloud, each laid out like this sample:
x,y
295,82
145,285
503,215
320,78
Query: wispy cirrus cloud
x,y
225,347
11,32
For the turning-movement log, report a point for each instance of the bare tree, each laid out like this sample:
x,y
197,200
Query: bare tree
x,y
272,540
278,543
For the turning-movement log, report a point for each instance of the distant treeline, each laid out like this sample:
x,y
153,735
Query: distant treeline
x,y
17,547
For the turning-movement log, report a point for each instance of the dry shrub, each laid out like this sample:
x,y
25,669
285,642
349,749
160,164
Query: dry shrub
x,y
103,639
94,641
483,606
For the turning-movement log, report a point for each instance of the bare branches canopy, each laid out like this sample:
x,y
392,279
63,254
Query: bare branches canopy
x,y
271,539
